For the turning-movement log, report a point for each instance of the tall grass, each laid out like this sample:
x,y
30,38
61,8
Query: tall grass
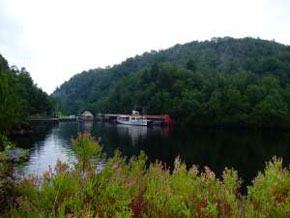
x,y
127,188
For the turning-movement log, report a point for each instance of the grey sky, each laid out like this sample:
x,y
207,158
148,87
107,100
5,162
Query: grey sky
x,y
55,39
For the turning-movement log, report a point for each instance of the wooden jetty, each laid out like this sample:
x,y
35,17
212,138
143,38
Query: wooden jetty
x,y
44,120
67,119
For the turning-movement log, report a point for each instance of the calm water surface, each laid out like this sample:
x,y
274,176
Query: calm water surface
x,y
244,150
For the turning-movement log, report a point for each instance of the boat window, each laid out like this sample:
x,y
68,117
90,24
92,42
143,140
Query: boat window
x,y
123,118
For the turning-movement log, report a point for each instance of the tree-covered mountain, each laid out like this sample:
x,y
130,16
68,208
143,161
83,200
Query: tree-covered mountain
x,y
20,98
224,82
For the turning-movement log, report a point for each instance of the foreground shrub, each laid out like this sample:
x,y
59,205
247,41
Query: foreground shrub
x,y
86,148
270,194
6,183
190,193
5,143
127,188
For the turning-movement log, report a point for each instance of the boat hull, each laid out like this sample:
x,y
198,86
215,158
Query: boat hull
x,y
134,122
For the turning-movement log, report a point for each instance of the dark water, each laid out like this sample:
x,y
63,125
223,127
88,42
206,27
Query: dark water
x,y
244,150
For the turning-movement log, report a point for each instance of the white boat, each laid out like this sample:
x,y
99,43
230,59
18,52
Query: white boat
x,y
133,120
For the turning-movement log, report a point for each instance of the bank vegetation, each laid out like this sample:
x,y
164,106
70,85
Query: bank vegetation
x,y
130,187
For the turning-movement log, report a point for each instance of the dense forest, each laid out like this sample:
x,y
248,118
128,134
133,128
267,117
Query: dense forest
x,y
221,82
20,98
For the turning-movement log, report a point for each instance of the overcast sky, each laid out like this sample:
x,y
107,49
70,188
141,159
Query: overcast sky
x,y
55,39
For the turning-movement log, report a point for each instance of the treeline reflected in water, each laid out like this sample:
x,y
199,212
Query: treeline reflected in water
x,y
244,150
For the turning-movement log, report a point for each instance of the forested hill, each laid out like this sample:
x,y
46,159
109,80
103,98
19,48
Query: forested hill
x,y
20,98
221,82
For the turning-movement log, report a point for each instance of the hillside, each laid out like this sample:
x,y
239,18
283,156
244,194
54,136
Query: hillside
x,y
224,82
20,98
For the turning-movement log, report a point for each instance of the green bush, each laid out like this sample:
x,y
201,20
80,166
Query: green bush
x,y
129,188
5,143
270,194
86,148
6,184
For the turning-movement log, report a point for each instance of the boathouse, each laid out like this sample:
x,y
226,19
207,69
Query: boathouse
x,y
87,115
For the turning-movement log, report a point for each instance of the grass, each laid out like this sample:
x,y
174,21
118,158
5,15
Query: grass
x,y
129,188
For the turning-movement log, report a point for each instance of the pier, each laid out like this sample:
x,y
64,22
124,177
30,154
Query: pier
x,y
43,120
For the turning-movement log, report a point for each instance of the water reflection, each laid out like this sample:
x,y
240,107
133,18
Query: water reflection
x,y
85,125
44,154
244,150
136,133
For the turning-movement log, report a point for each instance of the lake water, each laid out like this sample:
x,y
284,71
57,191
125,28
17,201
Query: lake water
x,y
244,150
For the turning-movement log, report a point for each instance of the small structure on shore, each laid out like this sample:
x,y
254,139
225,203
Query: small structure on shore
x,y
87,115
